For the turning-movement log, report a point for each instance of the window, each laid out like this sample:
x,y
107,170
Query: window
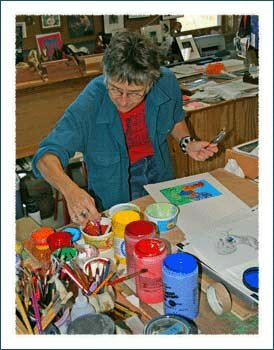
x,y
198,22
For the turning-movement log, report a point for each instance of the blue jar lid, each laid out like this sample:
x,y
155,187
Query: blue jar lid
x,y
251,278
180,262
75,232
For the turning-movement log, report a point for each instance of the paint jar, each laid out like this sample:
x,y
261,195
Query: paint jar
x,y
170,325
59,240
39,237
149,253
92,324
103,241
180,281
164,215
119,223
123,206
134,232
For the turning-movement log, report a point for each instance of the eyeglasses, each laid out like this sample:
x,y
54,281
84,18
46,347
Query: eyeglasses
x,y
116,92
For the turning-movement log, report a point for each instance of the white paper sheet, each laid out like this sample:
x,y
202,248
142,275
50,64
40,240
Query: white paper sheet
x,y
196,216
213,248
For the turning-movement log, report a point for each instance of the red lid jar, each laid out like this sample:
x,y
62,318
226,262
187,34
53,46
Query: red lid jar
x,y
58,240
134,232
149,253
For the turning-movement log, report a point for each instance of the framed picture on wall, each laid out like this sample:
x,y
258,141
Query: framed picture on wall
x,y
21,29
154,33
187,47
113,23
49,42
50,21
80,25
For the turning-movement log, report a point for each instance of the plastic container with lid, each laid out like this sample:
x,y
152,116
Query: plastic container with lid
x,y
180,281
81,306
170,325
92,324
39,237
134,232
149,253
119,222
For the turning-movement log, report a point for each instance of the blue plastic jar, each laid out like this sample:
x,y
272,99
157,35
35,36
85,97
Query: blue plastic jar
x,y
180,281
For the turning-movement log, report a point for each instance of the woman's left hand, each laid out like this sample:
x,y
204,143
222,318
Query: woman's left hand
x,y
201,150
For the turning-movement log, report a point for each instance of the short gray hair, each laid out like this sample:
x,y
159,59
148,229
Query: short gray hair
x,y
132,58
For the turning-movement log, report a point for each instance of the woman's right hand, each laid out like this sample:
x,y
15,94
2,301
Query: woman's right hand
x,y
81,206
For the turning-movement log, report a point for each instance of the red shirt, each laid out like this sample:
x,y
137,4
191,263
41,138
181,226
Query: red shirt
x,y
135,129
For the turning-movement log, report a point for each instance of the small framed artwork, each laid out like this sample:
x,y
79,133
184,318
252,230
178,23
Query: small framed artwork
x,y
80,25
50,21
113,23
187,47
21,29
49,42
154,33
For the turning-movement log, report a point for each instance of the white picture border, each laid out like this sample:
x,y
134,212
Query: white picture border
x,y
24,28
148,30
183,39
58,24
113,27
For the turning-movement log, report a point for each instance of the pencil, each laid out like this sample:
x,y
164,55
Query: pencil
x,y
23,313
126,277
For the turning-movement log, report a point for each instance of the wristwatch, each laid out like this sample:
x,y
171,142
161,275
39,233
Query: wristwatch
x,y
184,141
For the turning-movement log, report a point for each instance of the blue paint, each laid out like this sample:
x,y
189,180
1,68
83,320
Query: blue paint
x,y
180,281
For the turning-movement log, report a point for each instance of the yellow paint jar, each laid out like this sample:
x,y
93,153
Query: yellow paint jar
x,y
119,222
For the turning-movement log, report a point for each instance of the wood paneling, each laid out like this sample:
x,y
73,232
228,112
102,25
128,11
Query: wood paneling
x,y
239,117
38,109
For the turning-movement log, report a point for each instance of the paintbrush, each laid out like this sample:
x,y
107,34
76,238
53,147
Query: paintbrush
x,y
102,284
23,313
99,227
73,276
126,277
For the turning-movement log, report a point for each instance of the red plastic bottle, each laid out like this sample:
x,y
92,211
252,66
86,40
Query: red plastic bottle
x,y
134,232
149,253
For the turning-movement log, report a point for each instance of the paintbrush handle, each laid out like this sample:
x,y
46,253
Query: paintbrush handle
x,y
23,313
127,277
101,285
36,312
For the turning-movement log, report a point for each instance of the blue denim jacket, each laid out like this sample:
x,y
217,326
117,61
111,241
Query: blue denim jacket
x,y
91,125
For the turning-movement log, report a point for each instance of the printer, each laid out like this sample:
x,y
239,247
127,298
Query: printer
x,y
209,45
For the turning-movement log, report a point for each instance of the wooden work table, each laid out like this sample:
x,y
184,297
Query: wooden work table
x,y
208,323
246,321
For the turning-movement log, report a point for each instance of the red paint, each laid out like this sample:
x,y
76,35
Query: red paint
x,y
134,232
150,253
93,230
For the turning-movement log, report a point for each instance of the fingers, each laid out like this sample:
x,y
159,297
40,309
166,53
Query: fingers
x,y
201,150
82,208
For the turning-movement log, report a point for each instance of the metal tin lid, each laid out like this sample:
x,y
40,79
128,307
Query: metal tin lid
x,y
92,324
170,325
148,247
139,228
180,262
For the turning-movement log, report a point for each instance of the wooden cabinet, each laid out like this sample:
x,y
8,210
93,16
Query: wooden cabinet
x,y
239,117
